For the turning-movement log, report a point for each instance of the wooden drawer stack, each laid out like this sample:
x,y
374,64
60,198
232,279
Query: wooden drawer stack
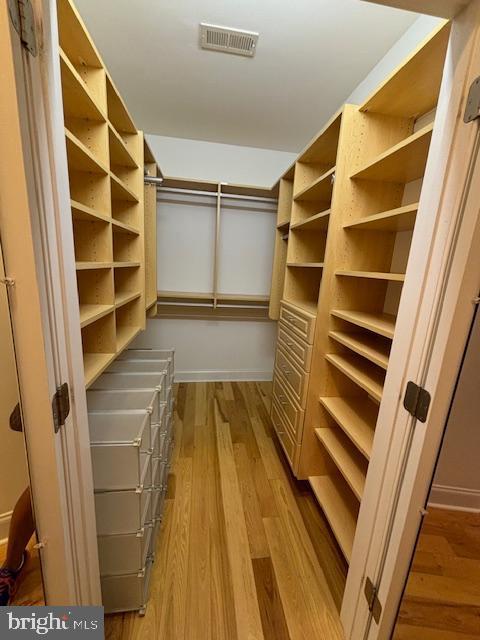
x,y
296,329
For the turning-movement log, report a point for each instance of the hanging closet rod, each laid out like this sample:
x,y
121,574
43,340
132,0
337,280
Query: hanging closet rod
x,y
152,180
209,305
214,194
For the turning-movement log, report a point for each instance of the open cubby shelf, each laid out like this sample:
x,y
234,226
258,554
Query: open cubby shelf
x,y
357,417
317,222
381,323
305,265
399,219
106,161
372,275
320,189
352,468
366,375
371,347
338,505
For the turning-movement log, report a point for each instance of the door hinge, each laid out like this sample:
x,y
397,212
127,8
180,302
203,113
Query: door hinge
x,y
60,406
417,401
23,19
374,604
472,108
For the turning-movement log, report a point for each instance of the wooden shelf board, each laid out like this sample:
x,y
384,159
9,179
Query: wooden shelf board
x,y
174,311
401,163
412,89
190,295
340,515
247,190
82,266
125,335
309,306
400,219
351,467
283,226
76,95
150,304
80,158
365,345
318,222
357,418
367,376
83,212
323,147
125,265
95,364
242,297
381,323
124,298
120,191
306,265
119,153
121,227
374,275
89,313
320,189
118,113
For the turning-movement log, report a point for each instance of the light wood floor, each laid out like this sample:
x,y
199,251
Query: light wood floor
x,y
244,552
30,586
442,598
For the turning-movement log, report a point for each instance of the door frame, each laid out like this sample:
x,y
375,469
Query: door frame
x,y
48,352
428,347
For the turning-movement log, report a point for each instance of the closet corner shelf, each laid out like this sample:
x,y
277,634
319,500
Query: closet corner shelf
x,y
400,219
125,335
119,152
365,345
126,265
95,364
124,298
306,265
381,323
364,374
317,222
89,313
349,467
83,212
122,227
319,189
373,275
338,511
80,158
401,163
82,266
77,98
357,418
120,191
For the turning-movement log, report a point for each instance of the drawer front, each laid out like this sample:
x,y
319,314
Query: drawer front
x,y
119,468
122,554
296,378
282,432
128,592
299,349
290,409
122,511
301,324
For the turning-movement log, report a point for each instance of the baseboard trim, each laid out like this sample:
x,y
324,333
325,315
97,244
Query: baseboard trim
x,y
456,498
5,525
223,376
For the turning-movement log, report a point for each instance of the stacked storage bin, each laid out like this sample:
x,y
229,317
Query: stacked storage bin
x,y
131,434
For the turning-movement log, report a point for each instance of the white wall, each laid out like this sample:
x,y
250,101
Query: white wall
x,y
242,350
199,160
457,478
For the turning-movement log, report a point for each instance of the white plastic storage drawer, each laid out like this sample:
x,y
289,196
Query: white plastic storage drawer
x,y
132,381
128,592
118,460
151,354
126,399
158,502
159,439
122,511
124,553
140,366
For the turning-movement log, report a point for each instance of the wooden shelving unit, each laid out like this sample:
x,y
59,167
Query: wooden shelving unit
x,y
105,167
357,227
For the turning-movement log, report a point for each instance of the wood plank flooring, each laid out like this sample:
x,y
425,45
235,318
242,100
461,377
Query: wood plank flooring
x,y
244,552
29,591
442,597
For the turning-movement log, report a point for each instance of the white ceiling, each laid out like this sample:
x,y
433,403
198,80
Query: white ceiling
x,y
311,54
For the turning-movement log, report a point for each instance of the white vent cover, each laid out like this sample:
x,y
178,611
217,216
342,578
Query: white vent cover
x,y
243,43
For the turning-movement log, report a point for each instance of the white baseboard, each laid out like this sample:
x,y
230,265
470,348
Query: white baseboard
x,y
456,498
5,525
223,376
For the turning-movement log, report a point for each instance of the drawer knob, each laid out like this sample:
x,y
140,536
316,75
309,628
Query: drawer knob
x,y
289,344
283,403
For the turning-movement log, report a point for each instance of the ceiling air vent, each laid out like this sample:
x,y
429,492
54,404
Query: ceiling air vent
x,y
216,38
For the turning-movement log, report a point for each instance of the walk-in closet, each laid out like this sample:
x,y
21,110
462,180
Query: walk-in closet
x,y
239,280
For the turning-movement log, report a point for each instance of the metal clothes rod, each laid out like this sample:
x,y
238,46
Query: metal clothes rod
x,y
209,305
152,180
214,194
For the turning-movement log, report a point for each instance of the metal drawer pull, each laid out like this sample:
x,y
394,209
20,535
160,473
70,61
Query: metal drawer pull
x,y
289,344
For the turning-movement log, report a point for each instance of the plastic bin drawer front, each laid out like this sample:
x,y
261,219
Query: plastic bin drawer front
x,y
122,511
119,468
151,354
141,366
126,553
121,427
130,400
132,381
127,592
